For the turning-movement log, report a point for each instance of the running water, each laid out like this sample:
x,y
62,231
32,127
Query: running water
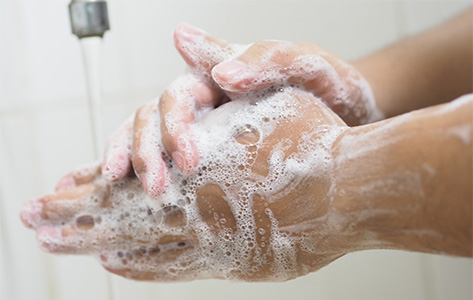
x,y
91,48
91,52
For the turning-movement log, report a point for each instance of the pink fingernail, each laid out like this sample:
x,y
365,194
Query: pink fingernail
x,y
234,68
189,32
179,160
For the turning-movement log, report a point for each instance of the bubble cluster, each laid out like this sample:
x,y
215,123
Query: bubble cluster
x,y
217,222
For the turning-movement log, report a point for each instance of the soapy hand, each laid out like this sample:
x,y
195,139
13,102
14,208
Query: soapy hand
x,y
225,69
258,207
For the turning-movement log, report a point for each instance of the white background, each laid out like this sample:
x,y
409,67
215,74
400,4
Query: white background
x,y
44,132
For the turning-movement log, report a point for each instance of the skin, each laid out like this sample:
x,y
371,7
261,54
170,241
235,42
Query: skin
x,y
407,186
416,183
403,183
54,217
334,85
432,68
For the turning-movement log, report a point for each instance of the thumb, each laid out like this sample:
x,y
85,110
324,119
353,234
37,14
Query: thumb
x,y
263,64
199,49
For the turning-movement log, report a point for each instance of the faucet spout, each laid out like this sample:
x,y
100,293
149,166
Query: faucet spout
x,y
89,18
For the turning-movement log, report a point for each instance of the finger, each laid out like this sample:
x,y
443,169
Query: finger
x,y
166,250
263,64
83,175
199,49
62,207
117,160
177,106
147,157
50,239
69,239
268,63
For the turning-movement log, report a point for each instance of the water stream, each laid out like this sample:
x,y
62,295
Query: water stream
x,y
91,52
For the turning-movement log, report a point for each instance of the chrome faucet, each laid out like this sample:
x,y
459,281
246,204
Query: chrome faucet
x,y
89,18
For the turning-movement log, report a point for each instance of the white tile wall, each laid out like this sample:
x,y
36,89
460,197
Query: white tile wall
x,y
44,132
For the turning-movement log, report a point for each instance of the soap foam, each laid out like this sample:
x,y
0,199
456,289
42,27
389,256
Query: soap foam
x,y
126,229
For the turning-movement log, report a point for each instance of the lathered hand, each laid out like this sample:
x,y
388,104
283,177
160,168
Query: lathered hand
x,y
258,207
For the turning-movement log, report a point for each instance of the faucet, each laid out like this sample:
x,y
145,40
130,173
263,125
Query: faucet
x,y
89,18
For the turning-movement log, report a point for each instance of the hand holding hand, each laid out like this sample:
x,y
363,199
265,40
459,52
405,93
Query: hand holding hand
x,y
259,206
261,65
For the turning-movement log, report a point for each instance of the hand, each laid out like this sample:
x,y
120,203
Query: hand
x,y
267,63
241,69
259,206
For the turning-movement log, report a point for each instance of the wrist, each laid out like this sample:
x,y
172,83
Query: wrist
x,y
355,212
400,193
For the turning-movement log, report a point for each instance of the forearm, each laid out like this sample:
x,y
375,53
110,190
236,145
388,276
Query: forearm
x,y
407,182
424,70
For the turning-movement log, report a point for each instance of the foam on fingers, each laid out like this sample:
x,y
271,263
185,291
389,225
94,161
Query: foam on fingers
x,y
68,239
82,175
200,50
220,221
58,208
184,101
147,156
117,159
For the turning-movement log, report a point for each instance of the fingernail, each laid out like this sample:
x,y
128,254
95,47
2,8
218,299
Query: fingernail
x,y
231,69
188,32
179,160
